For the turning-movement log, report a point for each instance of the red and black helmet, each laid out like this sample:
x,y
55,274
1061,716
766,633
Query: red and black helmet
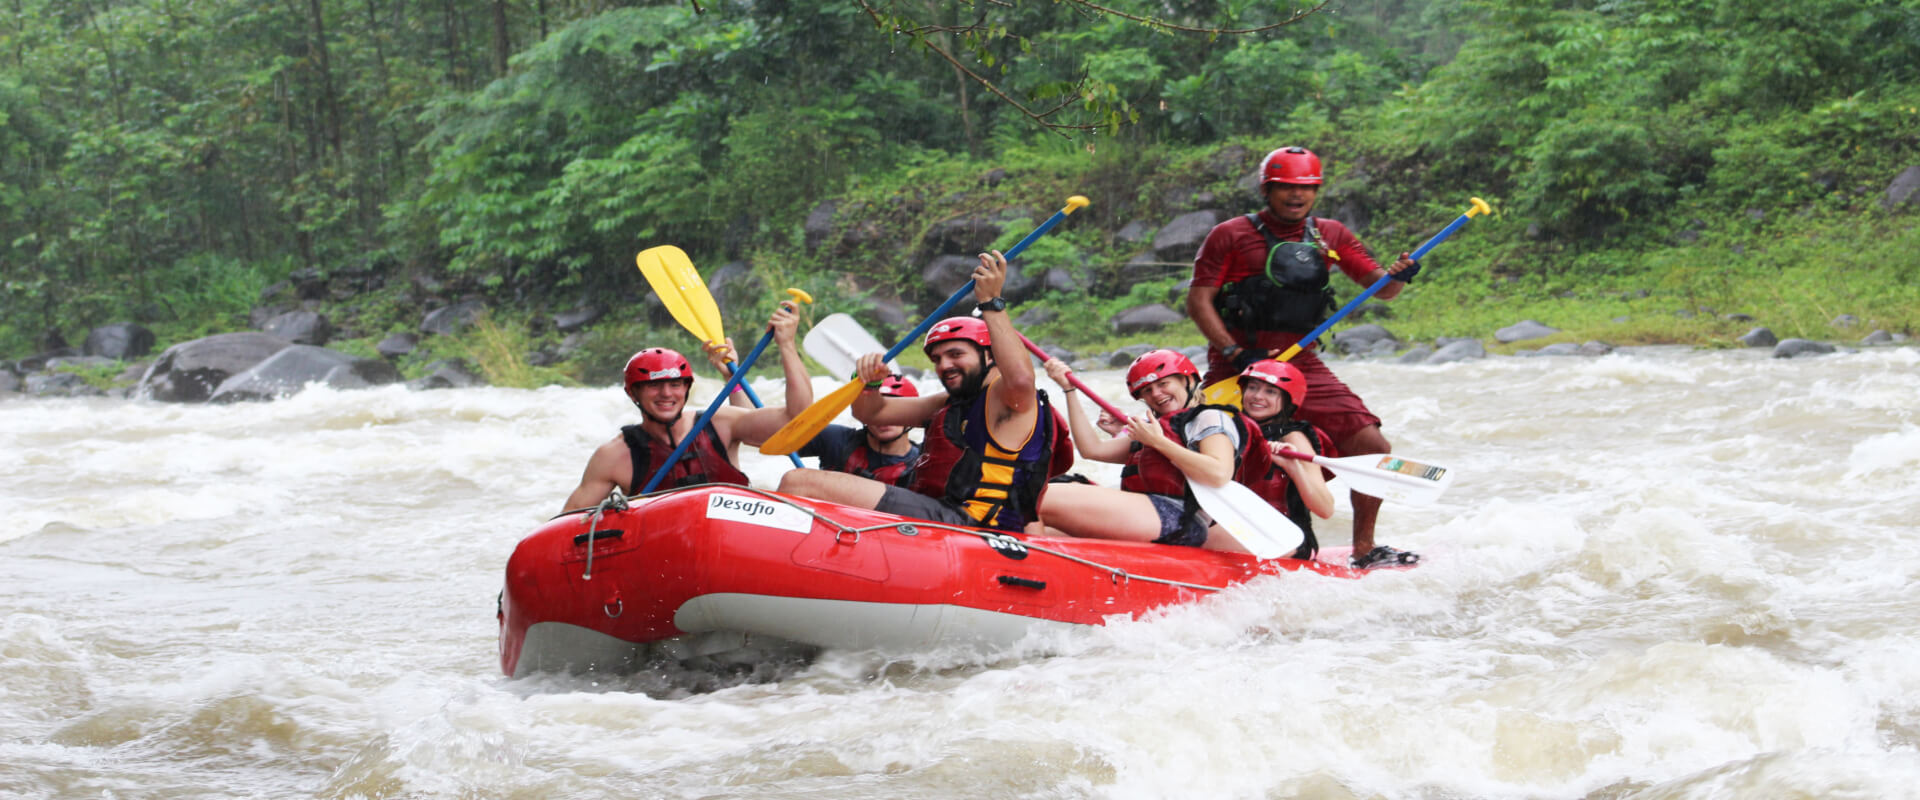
x,y
896,386
965,328
1291,165
658,364
1156,364
1282,375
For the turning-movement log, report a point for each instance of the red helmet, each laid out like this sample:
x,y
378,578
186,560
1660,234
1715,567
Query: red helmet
x,y
1284,376
966,328
1157,364
1290,165
658,364
896,386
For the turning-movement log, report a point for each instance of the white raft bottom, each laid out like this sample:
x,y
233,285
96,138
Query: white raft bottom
x,y
732,628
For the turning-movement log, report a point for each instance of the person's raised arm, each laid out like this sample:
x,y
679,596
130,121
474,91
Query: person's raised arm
x,y
753,427
1085,439
874,408
1016,387
1357,262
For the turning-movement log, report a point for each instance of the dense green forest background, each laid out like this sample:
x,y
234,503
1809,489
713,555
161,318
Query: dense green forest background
x,y
162,161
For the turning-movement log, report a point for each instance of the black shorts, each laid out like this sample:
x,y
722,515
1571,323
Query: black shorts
x,y
909,503
1176,526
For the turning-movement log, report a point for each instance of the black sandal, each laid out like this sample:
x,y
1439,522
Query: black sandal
x,y
1384,556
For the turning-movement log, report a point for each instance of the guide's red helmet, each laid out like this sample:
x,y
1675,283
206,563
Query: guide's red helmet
x,y
1291,165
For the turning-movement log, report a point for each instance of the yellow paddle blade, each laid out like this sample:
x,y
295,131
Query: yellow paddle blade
x,y
811,420
672,276
1224,393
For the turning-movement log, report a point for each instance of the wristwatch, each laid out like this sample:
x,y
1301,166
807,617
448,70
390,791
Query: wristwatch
x,y
1231,351
996,304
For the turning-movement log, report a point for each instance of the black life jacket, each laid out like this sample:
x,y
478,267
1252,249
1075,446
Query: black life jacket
x,y
1277,489
955,463
1292,295
705,461
1150,472
860,459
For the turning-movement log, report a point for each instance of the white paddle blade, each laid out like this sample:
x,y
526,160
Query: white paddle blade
x,y
1260,528
1390,477
838,342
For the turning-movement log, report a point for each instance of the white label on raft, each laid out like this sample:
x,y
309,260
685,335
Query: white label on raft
x,y
757,511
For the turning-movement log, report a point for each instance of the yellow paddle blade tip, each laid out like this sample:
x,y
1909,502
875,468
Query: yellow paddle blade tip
x,y
811,420
1075,203
660,252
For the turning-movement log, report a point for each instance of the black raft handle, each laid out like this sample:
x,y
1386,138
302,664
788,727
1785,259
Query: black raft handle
x,y
583,538
1024,583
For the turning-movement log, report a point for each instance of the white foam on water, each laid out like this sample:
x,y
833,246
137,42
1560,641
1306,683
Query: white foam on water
x,y
1661,573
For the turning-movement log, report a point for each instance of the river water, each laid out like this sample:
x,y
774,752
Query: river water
x,y
1661,574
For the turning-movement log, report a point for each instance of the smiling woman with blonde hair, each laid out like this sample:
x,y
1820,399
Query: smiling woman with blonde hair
x,y
1182,441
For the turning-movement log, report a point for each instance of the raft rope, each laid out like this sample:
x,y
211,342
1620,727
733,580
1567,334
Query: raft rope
x,y
1115,574
616,500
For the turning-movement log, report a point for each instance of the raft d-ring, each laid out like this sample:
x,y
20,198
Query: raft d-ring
x,y
840,537
614,609
1119,576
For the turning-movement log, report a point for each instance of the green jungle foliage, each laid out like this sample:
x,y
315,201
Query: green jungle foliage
x,y
163,161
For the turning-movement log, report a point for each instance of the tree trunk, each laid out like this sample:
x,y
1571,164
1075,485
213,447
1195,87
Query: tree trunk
x,y
501,46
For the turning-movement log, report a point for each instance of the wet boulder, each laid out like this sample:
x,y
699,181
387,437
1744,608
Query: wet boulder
x,y
1458,350
1125,355
300,327
119,341
397,345
586,314
1418,354
1362,338
295,367
452,319
448,374
735,285
59,384
1904,192
1877,337
819,224
189,372
1180,239
943,274
1759,337
1035,317
970,234
1524,330
1141,319
1796,348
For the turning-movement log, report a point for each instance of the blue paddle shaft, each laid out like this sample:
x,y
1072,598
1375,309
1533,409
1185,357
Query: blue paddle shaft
x,y
755,400
1382,282
941,312
701,423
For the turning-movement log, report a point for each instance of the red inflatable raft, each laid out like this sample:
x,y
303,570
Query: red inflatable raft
x,y
709,569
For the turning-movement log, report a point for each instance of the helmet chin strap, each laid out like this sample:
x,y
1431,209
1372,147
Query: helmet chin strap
x,y
868,429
